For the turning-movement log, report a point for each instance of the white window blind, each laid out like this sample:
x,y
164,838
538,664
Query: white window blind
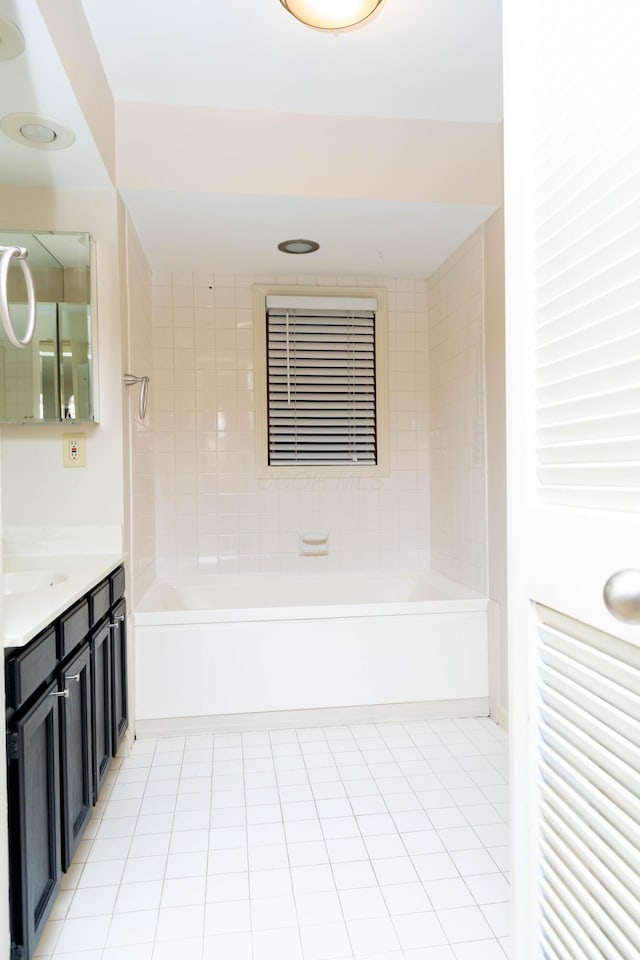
x,y
586,220
589,763
321,381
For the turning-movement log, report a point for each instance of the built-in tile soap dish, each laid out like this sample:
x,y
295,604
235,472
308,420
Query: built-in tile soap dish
x,y
28,581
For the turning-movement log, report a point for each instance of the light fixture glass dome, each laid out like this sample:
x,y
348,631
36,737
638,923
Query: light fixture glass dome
x,y
331,14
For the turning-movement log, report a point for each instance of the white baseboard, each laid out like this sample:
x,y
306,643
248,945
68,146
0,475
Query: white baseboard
x,y
502,718
322,717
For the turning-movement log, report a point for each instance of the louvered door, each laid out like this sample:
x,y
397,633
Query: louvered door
x,y
572,168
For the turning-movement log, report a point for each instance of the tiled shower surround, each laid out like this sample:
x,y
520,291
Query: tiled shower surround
x,y
457,416
212,513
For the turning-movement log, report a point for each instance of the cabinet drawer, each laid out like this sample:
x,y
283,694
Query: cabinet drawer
x,y
99,602
117,585
73,627
27,669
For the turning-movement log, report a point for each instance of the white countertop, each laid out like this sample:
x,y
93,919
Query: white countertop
x,y
26,614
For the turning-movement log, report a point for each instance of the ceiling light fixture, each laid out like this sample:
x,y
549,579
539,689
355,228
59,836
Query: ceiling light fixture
x,y
32,130
298,246
331,14
11,40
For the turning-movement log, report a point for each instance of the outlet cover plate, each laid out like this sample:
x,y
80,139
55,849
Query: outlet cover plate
x,y
74,451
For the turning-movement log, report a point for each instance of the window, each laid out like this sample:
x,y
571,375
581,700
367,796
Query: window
x,y
321,383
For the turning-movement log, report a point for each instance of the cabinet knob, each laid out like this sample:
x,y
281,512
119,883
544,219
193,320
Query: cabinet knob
x,y
73,676
63,693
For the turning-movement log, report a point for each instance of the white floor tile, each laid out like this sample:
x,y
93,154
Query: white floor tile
x,y
138,951
189,949
227,886
174,922
152,845
404,898
283,944
346,850
339,828
186,864
463,924
139,869
419,930
231,946
430,953
375,934
395,870
233,916
228,861
479,950
227,816
263,834
319,907
314,879
272,913
128,929
269,883
374,824
435,866
444,894
473,862
328,941
388,845
183,891
103,874
423,841
191,841
93,901
498,916
138,896
371,842
489,888
269,857
363,904
337,808
303,831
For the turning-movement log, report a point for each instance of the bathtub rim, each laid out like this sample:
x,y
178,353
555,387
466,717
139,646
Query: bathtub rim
x,y
470,601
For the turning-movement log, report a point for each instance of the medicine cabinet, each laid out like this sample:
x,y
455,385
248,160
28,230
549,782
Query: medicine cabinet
x,y
53,380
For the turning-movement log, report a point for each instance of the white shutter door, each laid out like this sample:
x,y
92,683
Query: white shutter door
x,y
572,208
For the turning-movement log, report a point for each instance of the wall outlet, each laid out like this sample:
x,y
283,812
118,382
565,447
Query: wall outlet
x,y
74,453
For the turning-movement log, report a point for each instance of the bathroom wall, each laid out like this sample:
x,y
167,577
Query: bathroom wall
x,y
138,433
37,492
212,513
457,416
494,338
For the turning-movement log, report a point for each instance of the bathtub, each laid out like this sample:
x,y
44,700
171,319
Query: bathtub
x,y
210,648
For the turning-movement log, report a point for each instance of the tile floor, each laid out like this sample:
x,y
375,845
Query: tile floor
x,y
383,841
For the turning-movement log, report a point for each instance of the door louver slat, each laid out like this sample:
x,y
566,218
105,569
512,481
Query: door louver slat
x,y
589,792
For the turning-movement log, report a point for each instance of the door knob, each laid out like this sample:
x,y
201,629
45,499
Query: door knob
x,y
622,595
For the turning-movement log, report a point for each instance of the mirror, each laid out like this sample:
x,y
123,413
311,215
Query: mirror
x,y
51,380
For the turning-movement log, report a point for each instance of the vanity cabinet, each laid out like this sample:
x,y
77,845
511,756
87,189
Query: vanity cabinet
x,y
66,705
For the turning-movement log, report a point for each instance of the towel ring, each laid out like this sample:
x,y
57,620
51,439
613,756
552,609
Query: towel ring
x,y
7,254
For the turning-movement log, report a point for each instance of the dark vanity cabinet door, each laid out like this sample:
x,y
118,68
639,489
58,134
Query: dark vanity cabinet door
x,y
76,755
120,712
34,818
102,698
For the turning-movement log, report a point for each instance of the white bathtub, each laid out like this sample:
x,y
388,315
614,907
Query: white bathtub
x,y
225,645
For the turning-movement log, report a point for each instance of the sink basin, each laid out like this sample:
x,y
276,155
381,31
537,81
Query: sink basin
x,y
28,581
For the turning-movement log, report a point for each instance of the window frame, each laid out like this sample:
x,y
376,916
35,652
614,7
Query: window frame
x,y
264,469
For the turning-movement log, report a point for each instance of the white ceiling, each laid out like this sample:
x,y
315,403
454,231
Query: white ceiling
x,y
417,60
